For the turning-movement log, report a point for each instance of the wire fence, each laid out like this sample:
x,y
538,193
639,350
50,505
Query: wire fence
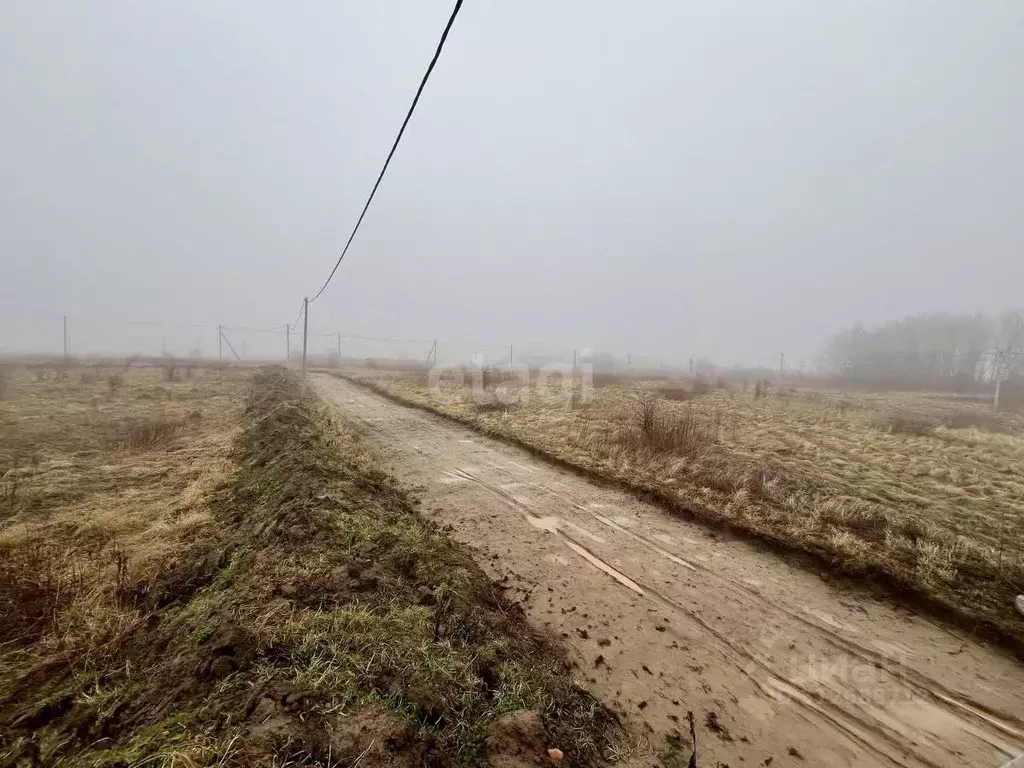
x,y
84,338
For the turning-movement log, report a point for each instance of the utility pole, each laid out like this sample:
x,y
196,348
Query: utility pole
x,y
163,346
65,339
629,362
232,348
287,346
1000,360
510,358
574,362
339,349
305,332
782,367
220,341
435,353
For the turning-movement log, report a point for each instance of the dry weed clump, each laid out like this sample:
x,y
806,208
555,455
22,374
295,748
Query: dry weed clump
x,y
35,587
657,430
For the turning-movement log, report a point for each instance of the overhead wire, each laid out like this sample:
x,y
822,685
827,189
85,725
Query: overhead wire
x,y
394,146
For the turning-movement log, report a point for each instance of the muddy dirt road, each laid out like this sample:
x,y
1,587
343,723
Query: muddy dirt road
x,y
665,616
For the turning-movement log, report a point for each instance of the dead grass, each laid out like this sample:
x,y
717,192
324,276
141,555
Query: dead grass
x,y
921,492
250,590
677,392
148,434
85,526
909,424
654,429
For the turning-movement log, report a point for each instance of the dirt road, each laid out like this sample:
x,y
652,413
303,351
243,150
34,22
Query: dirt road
x,y
665,616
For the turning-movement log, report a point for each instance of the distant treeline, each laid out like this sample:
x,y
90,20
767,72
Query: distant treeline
x,y
962,352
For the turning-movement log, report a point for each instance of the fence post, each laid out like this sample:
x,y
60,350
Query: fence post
x,y
305,332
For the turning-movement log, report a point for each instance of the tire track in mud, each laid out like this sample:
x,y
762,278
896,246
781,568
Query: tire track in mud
x,y
743,660
1009,724
911,719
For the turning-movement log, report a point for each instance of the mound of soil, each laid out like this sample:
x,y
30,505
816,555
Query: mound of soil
x,y
518,739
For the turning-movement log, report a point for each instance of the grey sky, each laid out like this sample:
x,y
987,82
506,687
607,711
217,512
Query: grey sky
x,y
718,178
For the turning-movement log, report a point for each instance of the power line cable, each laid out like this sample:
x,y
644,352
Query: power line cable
x,y
398,138
274,330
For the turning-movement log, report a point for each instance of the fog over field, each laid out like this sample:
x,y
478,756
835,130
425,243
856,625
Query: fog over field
x,y
670,179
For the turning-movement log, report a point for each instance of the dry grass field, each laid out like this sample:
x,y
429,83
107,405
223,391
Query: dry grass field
x,y
920,491
203,568
105,475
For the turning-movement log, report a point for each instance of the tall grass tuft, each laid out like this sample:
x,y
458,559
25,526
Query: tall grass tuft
x,y
657,430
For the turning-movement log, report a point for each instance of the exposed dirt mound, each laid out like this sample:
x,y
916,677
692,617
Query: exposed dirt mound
x,y
518,739
324,623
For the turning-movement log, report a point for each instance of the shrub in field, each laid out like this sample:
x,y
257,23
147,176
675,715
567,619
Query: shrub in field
x,y
35,584
685,433
114,382
490,378
645,413
656,430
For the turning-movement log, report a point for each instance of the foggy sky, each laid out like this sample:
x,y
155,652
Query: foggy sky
x,y
726,179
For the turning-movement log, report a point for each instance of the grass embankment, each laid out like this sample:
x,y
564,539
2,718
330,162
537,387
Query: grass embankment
x,y
311,617
923,495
